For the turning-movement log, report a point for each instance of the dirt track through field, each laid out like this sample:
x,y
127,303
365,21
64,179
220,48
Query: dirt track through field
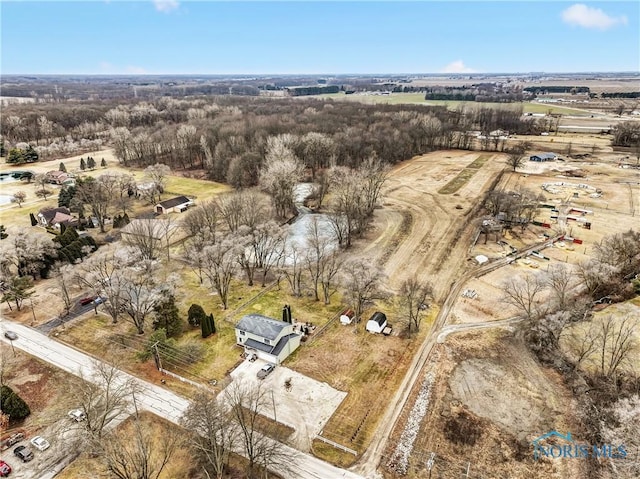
x,y
436,238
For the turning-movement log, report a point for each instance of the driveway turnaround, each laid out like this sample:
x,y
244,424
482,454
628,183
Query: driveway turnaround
x,y
306,405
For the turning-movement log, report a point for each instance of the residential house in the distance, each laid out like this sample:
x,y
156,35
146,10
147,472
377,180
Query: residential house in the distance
x,y
54,217
270,339
56,177
177,204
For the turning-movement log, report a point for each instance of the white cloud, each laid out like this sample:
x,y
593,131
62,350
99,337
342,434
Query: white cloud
x,y
106,67
166,6
457,67
587,17
135,70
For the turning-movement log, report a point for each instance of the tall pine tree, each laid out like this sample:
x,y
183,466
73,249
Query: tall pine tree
x,y
167,315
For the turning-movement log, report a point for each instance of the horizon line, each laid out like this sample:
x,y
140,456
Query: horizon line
x,y
462,74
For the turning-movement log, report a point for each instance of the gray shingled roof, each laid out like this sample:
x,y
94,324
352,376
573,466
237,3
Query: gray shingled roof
x,y
178,200
259,325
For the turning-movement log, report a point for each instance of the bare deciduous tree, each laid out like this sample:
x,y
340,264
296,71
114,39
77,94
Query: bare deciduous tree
x,y
320,246
105,272
104,394
559,279
362,284
617,340
580,343
157,174
64,278
203,219
247,404
414,295
213,432
246,207
23,252
139,452
523,292
293,269
219,266
624,430
140,291
279,175
19,197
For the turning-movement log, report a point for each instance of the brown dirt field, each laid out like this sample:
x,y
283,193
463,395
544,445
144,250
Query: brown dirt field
x,y
491,386
435,238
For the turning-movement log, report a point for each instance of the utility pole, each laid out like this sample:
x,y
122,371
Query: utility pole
x,y
33,313
156,356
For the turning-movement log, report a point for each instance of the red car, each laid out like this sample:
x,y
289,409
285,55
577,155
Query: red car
x,y
87,300
5,469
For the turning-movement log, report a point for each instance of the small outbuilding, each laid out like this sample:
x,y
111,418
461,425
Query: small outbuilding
x,y
346,317
177,204
542,157
377,322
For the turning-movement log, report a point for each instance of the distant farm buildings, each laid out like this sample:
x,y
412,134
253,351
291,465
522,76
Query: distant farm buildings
x,y
541,157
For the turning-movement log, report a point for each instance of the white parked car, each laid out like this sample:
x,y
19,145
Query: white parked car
x,y
40,443
77,415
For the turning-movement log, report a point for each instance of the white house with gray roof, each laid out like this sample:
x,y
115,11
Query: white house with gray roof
x,y
270,339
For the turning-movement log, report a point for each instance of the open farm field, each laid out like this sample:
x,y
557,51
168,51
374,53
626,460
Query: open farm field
x,y
418,99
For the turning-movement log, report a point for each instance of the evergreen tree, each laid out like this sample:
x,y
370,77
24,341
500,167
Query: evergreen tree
x,y
3,233
167,316
91,163
212,324
208,326
62,167
125,219
65,196
103,163
34,221
83,165
13,405
195,315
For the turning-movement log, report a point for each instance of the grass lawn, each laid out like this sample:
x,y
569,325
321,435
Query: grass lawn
x,y
464,176
202,190
367,366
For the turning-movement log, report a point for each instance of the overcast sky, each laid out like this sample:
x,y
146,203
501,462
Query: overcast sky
x,y
184,37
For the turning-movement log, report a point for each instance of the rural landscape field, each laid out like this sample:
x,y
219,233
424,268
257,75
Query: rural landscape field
x,y
209,271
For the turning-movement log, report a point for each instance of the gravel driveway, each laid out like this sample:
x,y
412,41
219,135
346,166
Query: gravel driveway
x,y
306,406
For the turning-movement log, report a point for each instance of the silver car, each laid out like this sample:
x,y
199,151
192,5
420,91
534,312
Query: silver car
x,y
266,370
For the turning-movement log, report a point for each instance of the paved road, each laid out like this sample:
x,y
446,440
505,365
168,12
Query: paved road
x,y
153,398
372,457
